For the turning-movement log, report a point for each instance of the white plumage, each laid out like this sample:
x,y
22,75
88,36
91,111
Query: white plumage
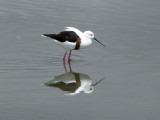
x,y
72,39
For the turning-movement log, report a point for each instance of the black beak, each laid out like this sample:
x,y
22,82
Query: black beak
x,y
99,42
98,81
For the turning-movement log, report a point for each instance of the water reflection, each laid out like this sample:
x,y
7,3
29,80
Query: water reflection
x,y
72,82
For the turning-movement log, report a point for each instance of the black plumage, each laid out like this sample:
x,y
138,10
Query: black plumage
x,y
64,36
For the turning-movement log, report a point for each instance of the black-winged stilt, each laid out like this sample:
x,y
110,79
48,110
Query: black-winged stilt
x,y
72,39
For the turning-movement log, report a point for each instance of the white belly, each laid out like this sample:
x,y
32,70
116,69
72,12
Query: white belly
x,y
66,45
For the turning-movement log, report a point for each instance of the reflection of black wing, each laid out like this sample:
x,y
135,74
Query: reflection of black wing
x,y
70,81
70,87
64,36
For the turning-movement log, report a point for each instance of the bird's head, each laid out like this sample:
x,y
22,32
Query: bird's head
x,y
90,35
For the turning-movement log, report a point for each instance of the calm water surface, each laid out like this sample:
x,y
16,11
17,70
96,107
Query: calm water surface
x,y
120,81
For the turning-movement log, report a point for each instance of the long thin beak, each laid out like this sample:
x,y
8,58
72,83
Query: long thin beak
x,y
99,42
98,81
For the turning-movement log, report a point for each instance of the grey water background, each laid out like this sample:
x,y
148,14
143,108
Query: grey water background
x,y
130,62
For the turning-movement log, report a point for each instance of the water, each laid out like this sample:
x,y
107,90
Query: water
x,y
129,62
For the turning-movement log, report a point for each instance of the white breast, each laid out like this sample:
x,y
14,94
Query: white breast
x,y
85,43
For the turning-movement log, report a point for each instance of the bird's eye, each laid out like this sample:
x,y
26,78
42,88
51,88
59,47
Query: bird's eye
x,y
91,34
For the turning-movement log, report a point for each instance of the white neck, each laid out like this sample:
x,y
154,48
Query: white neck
x,y
85,42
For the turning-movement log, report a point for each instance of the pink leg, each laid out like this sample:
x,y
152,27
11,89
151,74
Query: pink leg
x,y
64,56
69,63
69,57
64,64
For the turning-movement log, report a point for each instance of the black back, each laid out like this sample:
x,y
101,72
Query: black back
x,y
64,36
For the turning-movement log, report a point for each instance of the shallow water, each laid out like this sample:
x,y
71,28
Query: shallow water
x,y
129,62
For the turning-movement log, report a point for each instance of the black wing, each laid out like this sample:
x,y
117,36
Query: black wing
x,y
64,36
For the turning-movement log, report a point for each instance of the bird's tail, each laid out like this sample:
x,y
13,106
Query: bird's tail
x,y
53,36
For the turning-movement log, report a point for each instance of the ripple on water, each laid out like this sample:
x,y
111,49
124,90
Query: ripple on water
x,y
37,61
57,60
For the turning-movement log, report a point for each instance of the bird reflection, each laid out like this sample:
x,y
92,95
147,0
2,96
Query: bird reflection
x,y
72,82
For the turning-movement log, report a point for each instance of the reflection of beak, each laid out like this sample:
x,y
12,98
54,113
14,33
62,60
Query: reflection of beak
x,y
99,42
98,81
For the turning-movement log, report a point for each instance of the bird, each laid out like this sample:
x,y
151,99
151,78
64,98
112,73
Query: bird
x,y
73,82
72,39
